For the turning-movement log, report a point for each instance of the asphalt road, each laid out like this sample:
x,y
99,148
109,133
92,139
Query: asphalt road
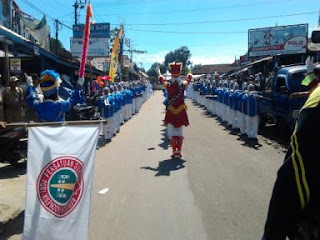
x,y
219,191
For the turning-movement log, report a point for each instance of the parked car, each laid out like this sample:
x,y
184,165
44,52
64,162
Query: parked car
x,y
274,102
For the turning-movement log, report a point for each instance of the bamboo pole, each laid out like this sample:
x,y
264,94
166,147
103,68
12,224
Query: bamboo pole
x,y
66,123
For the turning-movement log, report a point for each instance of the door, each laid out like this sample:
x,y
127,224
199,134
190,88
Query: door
x,y
281,97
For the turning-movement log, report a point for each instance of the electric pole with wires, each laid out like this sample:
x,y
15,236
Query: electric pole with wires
x,y
77,5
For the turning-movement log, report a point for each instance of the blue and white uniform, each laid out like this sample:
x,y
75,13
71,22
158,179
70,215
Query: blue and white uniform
x,y
52,110
252,118
105,106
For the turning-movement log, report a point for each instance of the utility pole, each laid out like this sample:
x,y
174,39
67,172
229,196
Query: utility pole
x,y
129,45
58,26
75,12
121,51
77,5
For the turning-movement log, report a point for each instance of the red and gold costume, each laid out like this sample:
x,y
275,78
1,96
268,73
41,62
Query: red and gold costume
x,y
176,114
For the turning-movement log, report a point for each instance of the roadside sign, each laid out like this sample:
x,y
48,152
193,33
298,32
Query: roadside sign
x,y
97,30
98,47
15,65
291,39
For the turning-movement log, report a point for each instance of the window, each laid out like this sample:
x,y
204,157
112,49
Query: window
x,y
295,82
281,83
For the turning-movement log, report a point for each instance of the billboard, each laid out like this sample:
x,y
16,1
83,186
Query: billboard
x,y
98,47
291,39
97,30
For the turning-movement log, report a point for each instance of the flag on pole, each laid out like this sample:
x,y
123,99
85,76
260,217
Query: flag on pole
x,y
59,180
114,61
85,43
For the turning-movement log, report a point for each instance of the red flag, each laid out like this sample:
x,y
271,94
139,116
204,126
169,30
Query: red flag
x,y
85,43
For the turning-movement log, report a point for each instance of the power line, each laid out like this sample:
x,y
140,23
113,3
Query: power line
x,y
199,9
116,3
223,21
55,2
37,9
156,31
42,12
96,15
65,25
66,15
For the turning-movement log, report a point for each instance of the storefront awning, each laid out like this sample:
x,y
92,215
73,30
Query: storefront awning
x,y
260,60
8,34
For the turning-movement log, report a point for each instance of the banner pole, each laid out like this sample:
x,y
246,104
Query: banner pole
x,y
66,123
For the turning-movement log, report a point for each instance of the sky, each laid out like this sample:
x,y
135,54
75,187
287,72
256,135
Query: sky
x,y
215,31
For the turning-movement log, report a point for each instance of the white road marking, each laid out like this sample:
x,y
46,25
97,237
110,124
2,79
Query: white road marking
x,y
103,191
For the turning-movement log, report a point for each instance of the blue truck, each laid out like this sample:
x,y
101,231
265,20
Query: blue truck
x,y
275,102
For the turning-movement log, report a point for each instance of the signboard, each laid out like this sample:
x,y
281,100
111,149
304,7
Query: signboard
x,y
290,39
98,47
15,65
97,30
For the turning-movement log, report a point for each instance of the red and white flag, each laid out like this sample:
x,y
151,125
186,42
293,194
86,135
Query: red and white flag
x,y
59,180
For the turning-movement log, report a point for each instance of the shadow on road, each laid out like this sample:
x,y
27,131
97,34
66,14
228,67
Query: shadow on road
x,y
165,141
102,142
208,114
271,133
167,166
13,227
10,171
249,142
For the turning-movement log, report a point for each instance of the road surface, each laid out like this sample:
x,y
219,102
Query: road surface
x,y
219,191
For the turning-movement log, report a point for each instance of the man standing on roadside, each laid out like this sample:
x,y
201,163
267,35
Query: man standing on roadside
x,y
13,101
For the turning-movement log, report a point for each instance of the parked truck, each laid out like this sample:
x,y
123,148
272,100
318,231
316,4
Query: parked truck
x,y
275,101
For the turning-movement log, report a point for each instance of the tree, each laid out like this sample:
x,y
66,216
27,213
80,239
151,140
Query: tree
x,y
196,67
54,43
153,71
181,54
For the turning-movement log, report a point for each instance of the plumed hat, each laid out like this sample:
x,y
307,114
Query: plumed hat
x,y
175,69
49,82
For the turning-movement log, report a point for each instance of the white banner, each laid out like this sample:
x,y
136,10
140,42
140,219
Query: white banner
x,y
59,180
98,47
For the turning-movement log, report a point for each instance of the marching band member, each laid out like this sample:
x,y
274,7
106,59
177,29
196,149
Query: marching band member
x,y
53,108
252,118
176,114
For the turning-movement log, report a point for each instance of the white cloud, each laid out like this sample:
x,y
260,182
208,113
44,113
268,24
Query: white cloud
x,y
212,60
150,58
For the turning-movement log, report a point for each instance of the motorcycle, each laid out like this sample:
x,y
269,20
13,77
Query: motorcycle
x,y
82,112
12,147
